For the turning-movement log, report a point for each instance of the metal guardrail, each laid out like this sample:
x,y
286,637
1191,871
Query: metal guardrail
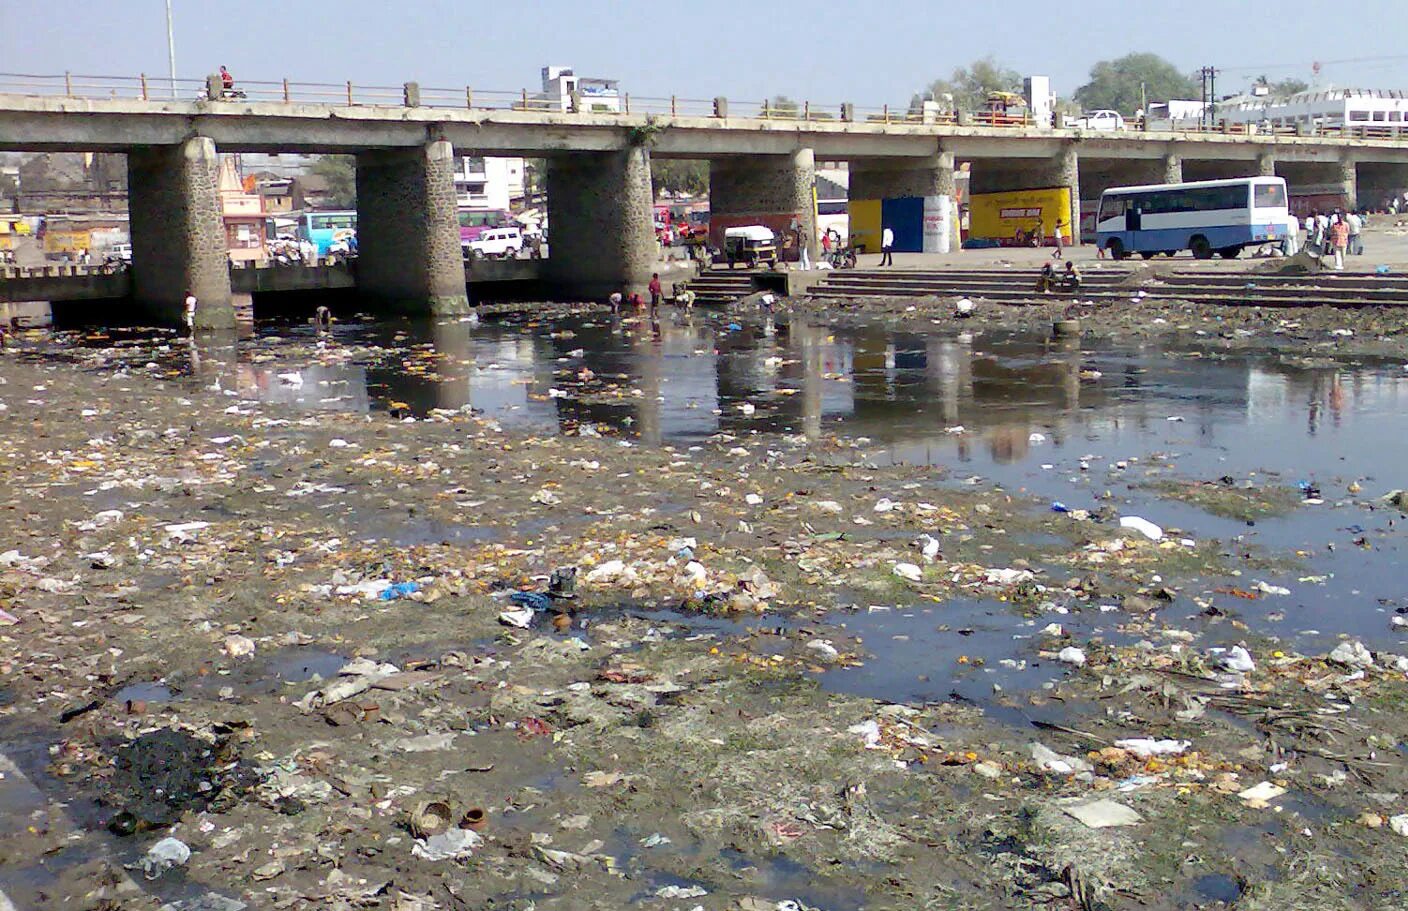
x,y
285,91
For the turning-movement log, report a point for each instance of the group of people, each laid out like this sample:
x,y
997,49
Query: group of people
x,y
1050,280
1338,234
683,297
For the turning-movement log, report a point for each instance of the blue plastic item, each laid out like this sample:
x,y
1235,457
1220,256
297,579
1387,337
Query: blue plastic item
x,y
1058,506
399,590
536,600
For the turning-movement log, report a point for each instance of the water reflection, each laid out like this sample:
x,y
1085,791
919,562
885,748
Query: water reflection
x,y
685,378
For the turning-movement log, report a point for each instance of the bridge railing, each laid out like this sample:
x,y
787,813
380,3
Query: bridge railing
x,y
156,88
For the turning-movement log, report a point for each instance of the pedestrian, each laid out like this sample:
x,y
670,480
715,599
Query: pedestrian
x,y
1291,245
1356,229
1339,241
655,293
887,247
826,245
1322,231
190,312
615,301
1060,238
804,257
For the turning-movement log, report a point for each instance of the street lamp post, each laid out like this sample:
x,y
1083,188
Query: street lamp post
x,y
171,47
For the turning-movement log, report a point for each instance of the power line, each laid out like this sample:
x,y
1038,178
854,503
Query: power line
x,y
1385,58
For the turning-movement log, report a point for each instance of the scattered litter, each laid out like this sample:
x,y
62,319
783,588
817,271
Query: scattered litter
x,y
1102,814
1143,526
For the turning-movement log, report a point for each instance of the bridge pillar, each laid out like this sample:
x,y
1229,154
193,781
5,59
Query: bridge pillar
x,y
1266,164
1349,181
777,191
601,229
178,237
1173,168
1064,171
408,237
929,179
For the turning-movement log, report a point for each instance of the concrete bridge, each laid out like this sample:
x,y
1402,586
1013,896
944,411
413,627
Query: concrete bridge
x,y
71,282
598,172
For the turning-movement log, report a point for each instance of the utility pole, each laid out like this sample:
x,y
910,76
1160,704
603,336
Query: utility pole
x,y
171,47
1209,79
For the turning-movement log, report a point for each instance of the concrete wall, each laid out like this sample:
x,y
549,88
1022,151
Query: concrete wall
x,y
178,238
772,190
890,178
408,238
601,230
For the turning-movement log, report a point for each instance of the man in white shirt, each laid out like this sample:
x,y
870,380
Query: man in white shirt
x,y
887,245
1292,244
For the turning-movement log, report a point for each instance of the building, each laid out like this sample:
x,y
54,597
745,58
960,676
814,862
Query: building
x,y
276,194
564,90
242,210
488,183
1331,108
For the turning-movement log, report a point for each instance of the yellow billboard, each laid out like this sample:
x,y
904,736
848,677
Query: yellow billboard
x,y
1020,218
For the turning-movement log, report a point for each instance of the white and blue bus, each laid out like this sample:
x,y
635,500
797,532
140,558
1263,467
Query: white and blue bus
x,y
324,229
1206,217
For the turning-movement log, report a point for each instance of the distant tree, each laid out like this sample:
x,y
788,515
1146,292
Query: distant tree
x,y
1123,84
670,176
340,171
970,85
782,106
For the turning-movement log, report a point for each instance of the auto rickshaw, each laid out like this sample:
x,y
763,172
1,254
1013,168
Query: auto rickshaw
x,y
750,244
1003,109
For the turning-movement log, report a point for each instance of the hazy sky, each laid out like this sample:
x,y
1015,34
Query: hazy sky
x,y
868,53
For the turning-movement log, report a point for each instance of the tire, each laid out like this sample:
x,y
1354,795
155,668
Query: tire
x,y
1116,248
1229,252
1147,254
1200,247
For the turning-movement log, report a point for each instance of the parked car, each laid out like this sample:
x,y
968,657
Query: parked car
x,y
119,253
1097,120
496,242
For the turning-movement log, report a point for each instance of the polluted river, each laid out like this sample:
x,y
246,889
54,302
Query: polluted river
x,y
812,610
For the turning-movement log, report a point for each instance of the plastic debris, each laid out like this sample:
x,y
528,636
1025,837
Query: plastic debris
x,y
1102,814
1238,660
1145,747
1352,654
1071,655
162,856
1143,526
1261,793
909,572
452,844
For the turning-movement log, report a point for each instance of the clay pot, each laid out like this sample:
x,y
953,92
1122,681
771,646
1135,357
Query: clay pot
x,y
474,818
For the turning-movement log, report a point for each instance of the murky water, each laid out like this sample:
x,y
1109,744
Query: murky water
x,y
1052,421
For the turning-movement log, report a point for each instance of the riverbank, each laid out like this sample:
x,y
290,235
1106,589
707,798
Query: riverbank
x,y
286,637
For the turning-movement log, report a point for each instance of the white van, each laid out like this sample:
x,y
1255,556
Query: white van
x,y
496,242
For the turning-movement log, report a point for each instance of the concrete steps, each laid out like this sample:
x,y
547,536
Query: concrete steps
x,y
715,287
1012,286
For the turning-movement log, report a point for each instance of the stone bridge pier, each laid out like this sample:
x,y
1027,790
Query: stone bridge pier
x,y
777,191
178,237
408,237
1319,185
601,229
